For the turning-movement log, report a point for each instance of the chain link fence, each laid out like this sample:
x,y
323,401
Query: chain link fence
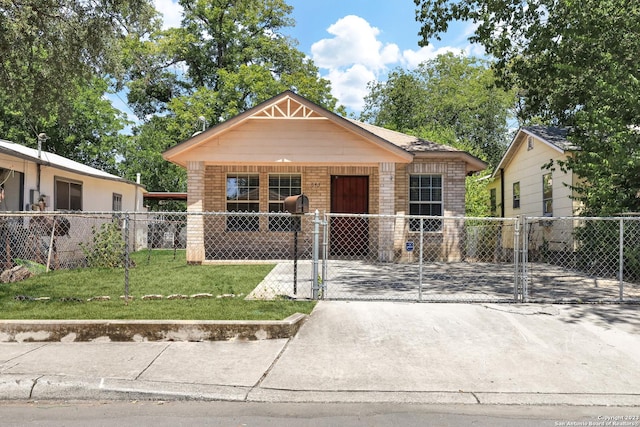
x,y
54,240
581,259
364,257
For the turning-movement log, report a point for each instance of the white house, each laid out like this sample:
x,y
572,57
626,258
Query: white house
x,y
523,185
27,174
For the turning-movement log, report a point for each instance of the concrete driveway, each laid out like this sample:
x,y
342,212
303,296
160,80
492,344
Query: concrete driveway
x,y
480,353
441,282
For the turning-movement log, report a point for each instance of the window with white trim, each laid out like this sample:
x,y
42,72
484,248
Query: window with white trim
x,y
282,186
547,195
425,199
116,202
493,202
68,195
516,195
243,195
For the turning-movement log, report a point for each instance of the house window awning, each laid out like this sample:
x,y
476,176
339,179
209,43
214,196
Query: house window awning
x,y
165,196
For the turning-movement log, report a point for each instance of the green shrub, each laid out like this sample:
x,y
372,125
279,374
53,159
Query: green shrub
x,y
107,246
32,266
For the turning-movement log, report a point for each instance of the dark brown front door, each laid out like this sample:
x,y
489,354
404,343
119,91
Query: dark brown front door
x,y
349,235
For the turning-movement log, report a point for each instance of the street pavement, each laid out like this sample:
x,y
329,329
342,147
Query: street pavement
x,y
362,352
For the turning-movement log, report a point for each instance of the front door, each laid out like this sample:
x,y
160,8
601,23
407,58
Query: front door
x,y
349,235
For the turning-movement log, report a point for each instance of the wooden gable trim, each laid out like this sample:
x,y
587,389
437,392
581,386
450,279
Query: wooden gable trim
x,y
287,108
287,105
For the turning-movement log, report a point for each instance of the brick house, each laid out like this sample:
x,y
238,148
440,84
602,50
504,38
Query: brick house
x,y
288,145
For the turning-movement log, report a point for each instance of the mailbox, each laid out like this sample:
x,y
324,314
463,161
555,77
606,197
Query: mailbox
x,y
297,205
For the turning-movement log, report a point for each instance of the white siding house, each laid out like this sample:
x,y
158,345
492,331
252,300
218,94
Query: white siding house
x,y
522,185
27,174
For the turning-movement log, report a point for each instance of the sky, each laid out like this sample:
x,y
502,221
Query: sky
x,y
354,42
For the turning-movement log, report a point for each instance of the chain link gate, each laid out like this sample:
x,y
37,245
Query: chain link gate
x,y
416,258
579,260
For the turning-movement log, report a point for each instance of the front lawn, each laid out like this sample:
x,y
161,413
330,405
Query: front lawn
x,y
157,274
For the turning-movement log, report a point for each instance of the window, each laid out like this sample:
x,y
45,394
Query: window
x,y
68,195
516,195
493,202
425,198
281,187
116,204
530,143
547,195
243,195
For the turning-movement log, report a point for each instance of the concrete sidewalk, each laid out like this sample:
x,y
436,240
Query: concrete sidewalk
x,y
362,352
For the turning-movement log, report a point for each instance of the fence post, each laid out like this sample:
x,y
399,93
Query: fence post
x,y
125,227
525,259
316,250
517,274
420,266
621,254
325,253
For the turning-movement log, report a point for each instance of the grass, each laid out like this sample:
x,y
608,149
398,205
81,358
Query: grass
x,y
159,274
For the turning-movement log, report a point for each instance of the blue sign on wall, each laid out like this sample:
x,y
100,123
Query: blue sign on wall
x,y
409,246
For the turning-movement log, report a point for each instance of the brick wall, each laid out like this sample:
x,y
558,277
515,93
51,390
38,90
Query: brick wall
x,y
195,202
388,194
453,181
316,184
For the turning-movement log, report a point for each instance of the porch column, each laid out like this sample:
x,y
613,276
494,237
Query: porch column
x,y
386,206
195,204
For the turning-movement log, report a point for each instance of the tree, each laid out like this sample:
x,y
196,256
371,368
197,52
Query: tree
x,y
90,133
449,93
231,52
143,154
575,65
50,51
227,56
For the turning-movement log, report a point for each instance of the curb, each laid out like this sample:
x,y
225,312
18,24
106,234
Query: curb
x,y
55,388
147,330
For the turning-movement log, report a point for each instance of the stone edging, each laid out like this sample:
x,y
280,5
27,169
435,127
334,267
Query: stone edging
x,y
147,330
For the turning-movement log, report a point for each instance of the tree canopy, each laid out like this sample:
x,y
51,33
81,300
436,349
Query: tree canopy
x,y
227,56
60,58
452,100
51,52
452,97
574,63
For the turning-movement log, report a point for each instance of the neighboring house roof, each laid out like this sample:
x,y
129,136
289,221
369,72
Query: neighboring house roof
x,y
54,160
554,137
551,135
402,145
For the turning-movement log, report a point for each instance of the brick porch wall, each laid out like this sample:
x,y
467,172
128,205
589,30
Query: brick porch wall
x,y
316,185
453,181
195,203
388,194
386,202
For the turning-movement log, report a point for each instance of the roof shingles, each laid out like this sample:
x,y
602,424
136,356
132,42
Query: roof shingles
x,y
553,135
407,142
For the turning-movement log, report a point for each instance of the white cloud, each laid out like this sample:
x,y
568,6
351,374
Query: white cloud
x,y
349,86
171,12
355,42
475,50
413,58
354,56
